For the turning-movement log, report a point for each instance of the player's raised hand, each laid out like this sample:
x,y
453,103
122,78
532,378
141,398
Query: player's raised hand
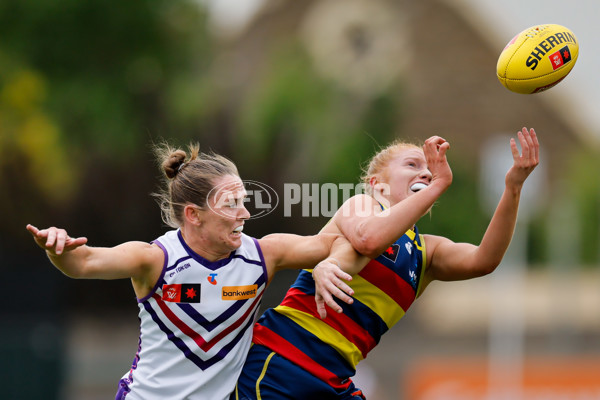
x,y
328,283
525,161
435,149
54,240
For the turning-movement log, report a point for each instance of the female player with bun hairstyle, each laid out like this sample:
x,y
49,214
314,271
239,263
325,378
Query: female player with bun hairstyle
x,y
299,351
199,285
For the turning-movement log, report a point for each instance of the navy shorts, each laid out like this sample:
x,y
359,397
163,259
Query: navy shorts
x,y
269,376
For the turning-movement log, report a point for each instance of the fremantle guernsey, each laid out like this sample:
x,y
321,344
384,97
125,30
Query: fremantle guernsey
x,y
331,348
196,325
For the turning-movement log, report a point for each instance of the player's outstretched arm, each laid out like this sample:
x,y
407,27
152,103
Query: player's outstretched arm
x,y
456,261
290,251
137,260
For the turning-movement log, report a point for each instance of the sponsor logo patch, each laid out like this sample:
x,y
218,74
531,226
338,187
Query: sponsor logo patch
x,y
392,252
212,278
239,292
182,293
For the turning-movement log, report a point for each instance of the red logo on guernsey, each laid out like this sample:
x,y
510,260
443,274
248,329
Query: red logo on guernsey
x,y
392,252
182,293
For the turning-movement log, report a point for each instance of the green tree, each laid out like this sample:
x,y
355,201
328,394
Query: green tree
x,y
88,85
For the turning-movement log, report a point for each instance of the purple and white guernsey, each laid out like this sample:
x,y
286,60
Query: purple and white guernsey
x,y
196,325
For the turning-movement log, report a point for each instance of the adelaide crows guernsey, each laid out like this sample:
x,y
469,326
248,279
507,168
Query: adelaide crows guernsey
x,y
196,325
331,348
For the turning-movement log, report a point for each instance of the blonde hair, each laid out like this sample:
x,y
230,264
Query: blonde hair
x,y
188,178
382,159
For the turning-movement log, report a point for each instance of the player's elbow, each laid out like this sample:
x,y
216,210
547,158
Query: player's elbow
x,y
487,268
368,246
484,262
73,273
369,241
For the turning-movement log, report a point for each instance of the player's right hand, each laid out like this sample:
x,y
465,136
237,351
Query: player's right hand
x,y
435,153
54,240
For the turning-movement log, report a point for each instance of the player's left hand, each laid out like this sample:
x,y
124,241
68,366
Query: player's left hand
x,y
329,282
525,161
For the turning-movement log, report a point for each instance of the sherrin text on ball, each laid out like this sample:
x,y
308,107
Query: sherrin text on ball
x,y
538,58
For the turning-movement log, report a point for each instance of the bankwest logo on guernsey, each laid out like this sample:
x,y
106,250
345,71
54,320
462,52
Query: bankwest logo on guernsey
x,y
239,292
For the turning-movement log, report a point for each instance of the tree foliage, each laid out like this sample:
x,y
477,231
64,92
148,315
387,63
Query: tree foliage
x,y
87,85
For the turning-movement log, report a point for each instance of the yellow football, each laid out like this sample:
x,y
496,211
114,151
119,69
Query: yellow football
x,y
537,58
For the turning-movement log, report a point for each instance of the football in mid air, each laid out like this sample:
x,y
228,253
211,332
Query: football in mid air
x,y
537,58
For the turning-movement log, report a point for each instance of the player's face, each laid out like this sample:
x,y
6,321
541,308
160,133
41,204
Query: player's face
x,y
407,169
223,219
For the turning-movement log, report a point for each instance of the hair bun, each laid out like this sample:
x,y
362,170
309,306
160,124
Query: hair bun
x,y
174,163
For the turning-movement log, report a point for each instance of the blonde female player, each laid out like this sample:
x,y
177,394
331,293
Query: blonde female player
x,y
297,354
198,286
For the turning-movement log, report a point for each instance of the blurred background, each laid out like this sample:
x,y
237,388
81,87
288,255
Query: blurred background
x,y
298,92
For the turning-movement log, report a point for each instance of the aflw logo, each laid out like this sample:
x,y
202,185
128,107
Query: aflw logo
x,y
260,200
239,292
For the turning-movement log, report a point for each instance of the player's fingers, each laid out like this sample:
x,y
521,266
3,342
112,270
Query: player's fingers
x,y
32,229
325,298
339,285
51,237
431,154
533,150
443,148
514,150
430,140
536,145
434,145
427,150
61,239
320,306
336,288
529,138
334,306
343,275
38,235
429,146
330,289
436,140
347,290
524,143
73,243
342,296
534,137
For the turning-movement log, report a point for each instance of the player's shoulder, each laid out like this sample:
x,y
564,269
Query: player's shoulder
x,y
433,241
146,253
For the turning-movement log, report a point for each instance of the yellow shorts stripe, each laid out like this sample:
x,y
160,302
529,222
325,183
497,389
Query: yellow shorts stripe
x,y
262,375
